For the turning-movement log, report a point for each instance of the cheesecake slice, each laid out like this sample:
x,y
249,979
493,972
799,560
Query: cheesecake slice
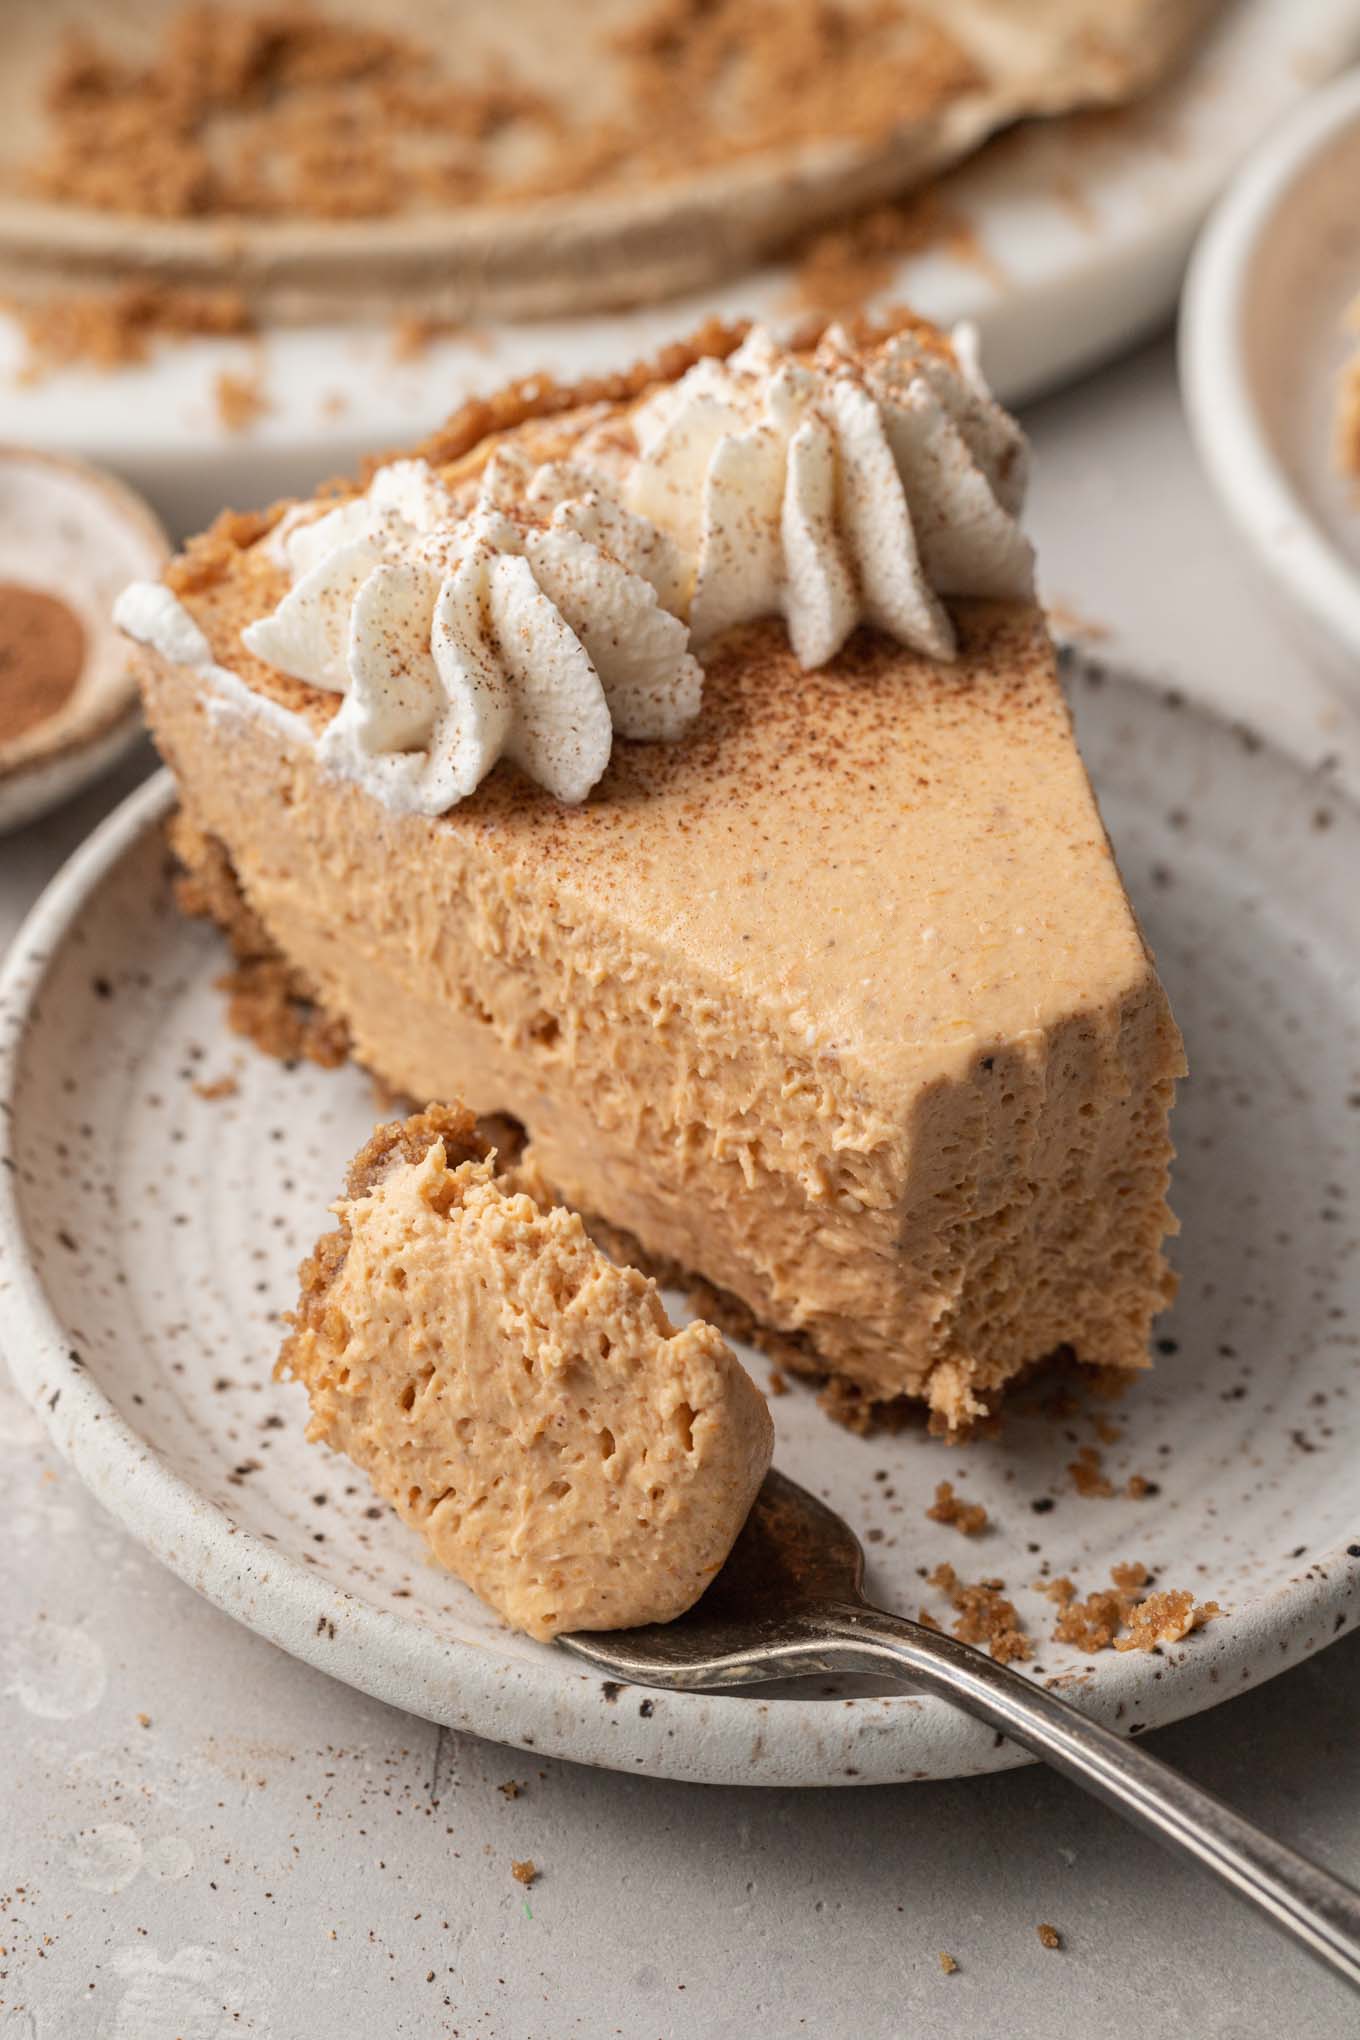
x,y
522,1402
795,942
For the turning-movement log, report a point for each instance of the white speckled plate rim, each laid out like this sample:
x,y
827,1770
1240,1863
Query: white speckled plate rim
x,y
546,1703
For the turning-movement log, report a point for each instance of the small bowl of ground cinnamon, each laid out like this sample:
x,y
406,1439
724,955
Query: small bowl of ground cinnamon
x,y
70,539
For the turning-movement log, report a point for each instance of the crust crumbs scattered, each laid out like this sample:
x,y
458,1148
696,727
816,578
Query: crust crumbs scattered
x,y
1050,1936
220,1087
985,1616
1092,1625
948,1964
1165,1618
1115,1617
269,111
710,81
413,335
118,328
839,267
511,1788
777,1384
1088,1476
240,399
525,1872
277,110
969,1517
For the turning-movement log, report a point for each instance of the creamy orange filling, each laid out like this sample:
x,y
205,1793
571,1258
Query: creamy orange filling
x,y
524,1403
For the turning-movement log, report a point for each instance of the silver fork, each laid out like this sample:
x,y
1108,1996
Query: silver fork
x,y
790,1601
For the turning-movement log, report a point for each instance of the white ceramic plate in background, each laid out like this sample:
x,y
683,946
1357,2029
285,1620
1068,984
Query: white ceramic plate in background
x,y
149,1237
1077,235
1263,341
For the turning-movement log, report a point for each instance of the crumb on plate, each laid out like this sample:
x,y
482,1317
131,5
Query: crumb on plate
x,y
947,1507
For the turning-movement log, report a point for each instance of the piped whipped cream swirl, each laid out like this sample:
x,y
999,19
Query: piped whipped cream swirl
x,y
847,487
541,610
531,626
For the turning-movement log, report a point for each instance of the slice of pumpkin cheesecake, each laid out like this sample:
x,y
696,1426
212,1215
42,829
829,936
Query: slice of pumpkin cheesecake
x,y
679,765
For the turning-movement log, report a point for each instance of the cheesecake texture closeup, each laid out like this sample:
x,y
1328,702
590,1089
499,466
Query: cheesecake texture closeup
x,y
522,1402
828,989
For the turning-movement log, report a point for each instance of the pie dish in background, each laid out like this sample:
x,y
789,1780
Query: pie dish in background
x,y
510,161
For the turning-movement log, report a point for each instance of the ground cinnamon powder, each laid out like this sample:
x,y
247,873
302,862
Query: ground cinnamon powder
x,y
42,651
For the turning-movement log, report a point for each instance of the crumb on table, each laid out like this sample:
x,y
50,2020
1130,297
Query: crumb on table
x,y
525,1872
947,1963
1050,1936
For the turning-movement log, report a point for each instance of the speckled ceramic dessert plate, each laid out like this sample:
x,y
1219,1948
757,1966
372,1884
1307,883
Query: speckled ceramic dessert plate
x,y
162,1179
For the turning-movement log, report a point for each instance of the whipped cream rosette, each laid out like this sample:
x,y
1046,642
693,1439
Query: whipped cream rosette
x,y
529,628
842,488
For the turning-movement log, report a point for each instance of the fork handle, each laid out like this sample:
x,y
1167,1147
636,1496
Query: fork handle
x,y
1317,1909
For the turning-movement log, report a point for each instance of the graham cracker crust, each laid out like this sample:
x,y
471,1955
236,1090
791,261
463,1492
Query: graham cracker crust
x,y
269,1001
